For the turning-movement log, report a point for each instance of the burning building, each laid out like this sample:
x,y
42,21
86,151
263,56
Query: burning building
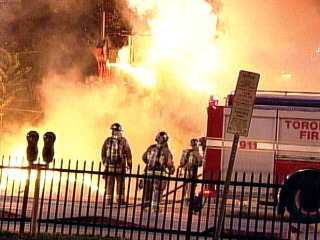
x,y
162,58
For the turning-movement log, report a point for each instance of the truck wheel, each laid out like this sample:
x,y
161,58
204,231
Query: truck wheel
x,y
304,202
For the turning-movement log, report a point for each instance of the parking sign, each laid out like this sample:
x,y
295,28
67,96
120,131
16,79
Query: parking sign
x,y
242,105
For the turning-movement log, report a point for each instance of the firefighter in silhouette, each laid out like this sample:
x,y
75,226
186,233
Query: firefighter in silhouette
x,y
190,161
203,145
159,161
116,156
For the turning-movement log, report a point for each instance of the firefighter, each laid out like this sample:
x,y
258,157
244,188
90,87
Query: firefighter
x,y
158,159
203,145
116,156
190,161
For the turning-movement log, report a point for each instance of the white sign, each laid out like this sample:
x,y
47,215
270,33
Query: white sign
x,y
242,104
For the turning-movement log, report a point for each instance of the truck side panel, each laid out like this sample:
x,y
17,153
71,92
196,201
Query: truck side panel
x,y
255,153
215,128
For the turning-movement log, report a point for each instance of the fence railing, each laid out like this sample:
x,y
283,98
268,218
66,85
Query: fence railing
x,y
71,198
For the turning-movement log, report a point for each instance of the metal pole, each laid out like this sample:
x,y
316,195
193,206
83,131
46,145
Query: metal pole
x,y
25,201
2,113
35,206
226,186
103,25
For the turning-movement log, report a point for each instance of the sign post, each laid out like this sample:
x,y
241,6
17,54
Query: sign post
x,y
239,124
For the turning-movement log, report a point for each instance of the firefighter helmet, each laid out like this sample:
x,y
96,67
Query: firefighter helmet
x,y
162,137
194,142
202,141
116,127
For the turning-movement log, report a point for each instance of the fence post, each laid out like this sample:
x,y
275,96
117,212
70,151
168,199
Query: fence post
x,y
25,200
191,200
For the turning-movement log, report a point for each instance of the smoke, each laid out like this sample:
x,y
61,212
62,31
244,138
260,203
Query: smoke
x,y
80,114
278,39
80,110
60,33
193,50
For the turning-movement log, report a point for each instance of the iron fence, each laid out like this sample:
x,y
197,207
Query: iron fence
x,y
69,197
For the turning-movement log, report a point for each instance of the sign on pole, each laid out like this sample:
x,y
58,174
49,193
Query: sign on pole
x,y
239,123
242,104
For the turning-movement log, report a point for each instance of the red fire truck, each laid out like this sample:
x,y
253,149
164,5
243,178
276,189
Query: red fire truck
x,y
284,135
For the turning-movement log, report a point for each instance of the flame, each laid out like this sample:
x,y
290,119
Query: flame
x,y
146,77
174,63
178,59
14,180
8,175
182,37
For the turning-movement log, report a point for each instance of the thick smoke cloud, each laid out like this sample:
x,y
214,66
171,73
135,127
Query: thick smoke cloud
x,y
81,109
277,39
59,31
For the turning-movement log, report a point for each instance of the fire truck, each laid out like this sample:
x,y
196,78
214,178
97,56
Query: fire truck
x,y
284,135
